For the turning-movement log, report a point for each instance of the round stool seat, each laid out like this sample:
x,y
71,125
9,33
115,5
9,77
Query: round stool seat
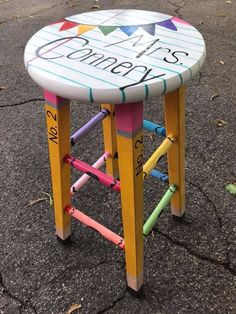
x,y
115,56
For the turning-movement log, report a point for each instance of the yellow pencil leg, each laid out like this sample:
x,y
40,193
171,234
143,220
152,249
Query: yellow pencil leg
x,y
109,134
130,149
175,124
58,128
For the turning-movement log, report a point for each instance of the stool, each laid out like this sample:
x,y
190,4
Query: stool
x,y
117,58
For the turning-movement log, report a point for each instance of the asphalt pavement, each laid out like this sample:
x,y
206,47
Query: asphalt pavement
x,y
189,267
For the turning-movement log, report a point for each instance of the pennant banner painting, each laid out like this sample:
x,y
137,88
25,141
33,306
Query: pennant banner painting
x,y
123,54
127,29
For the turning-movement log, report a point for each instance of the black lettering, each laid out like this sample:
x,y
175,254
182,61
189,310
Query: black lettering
x,y
126,65
139,168
53,138
53,131
53,135
147,48
138,141
143,79
96,55
69,56
159,48
176,58
51,115
135,67
38,50
136,43
140,159
105,60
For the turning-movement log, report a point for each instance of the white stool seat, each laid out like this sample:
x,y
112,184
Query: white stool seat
x,y
115,56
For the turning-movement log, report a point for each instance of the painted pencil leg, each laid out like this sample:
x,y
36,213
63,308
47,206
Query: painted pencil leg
x,y
129,121
109,134
58,128
175,124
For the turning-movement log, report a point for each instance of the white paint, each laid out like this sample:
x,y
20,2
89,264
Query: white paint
x,y
115,68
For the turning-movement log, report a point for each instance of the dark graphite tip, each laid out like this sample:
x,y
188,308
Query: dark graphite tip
x,y
178,218
136,294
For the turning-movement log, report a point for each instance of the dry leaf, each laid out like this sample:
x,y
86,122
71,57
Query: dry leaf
x,y
36,201
41,200
96,5
2,87
73,308
214,96
231,188
220,14
73,5
220,122
50,198
193,120
222,62
15,17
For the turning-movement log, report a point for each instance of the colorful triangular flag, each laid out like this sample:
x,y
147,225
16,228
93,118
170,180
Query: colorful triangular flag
x,y
85,28
176,19
129,30
149,28
167,24
56,22
67,25
107,29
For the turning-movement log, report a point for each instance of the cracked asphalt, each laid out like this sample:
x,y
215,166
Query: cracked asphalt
x,y
189,267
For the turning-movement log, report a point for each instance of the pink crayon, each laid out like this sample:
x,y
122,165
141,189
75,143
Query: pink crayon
x,y
92,172
82,180
106,233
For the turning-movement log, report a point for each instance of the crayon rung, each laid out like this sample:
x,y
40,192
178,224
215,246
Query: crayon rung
x,y
105,232
161,150
89,126
92,172
158,210
84,178
153,127
159,175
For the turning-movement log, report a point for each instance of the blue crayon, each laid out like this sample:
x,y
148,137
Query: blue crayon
x,y
159,175
153,127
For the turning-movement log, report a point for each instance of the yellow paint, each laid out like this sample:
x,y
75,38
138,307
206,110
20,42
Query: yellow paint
x,y
58,128
161,150
84,28
131,179
175,124
109,134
